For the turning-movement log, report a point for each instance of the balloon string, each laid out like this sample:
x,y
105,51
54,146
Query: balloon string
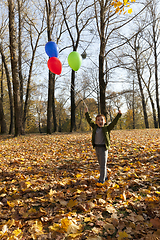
x,y
72,87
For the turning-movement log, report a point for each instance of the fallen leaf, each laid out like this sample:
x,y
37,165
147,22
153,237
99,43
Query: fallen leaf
x,y
155,222
123,236
72,203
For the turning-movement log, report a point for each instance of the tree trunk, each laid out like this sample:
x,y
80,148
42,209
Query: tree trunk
x,y
73,121
102,84
143,100
152,105
9,90
20,59
29,82
137,62
2,118
14,66
49,106
153,110
54,107
133,108
156,72
50,80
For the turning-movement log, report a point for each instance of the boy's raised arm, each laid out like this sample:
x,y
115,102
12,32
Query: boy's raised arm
x,y
88,117
114,122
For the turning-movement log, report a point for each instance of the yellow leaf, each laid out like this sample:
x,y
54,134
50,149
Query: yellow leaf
x,y
123,235
51,193
32,211
99,184
55,227
115,186
65,222
78,175
73,228
117,9
88,219
130,11
39,225
28,184
10,223
109,194
72,203
79,191
11,204
17,232
125,2
42,210
75,235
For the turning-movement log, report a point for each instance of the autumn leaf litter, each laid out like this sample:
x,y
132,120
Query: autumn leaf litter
x,y
49,189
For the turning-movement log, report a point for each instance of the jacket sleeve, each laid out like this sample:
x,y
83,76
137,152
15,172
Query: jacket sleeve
x,y
89,120
114,122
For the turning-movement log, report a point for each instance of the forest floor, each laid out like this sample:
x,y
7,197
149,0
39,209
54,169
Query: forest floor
x,y
49,189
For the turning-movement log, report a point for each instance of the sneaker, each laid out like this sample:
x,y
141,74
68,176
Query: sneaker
x,y
106,179
100,181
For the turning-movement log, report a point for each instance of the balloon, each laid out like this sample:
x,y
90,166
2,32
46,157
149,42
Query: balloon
x,y
74,60
55,65
51,49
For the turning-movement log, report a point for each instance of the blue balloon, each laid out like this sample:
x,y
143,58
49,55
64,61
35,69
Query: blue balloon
x,y
51,49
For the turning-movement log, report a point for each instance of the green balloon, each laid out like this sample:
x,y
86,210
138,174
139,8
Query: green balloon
x,y
74,60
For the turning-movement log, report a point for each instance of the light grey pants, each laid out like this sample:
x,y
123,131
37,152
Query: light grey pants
x,y
102,155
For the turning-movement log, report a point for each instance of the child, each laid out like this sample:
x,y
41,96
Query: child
x,y
101,140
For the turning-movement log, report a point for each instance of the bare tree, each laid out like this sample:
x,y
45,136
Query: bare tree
x,y
14,66
138,67
37,31
9,88
108,23
142,60
2,118
155,41
81,16
20,4
52,20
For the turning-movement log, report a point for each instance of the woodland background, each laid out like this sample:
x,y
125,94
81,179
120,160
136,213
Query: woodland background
x,y
119,44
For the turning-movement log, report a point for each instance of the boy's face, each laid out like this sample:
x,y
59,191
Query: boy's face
x,y
100,121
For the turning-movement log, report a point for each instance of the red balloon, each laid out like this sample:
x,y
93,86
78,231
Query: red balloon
x,y
55,65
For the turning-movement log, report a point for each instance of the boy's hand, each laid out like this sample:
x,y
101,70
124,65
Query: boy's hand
x,y
86,109
120,112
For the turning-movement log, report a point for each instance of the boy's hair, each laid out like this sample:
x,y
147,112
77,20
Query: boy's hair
x,y
100,115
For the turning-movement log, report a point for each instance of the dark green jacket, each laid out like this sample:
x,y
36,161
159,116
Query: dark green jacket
x,y
106,129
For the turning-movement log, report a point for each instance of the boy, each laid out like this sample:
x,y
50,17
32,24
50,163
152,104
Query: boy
x,y
101,140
